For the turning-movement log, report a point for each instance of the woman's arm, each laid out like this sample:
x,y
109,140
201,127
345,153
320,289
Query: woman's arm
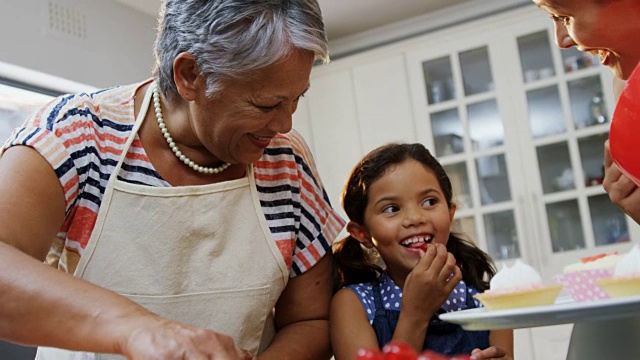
x,y
47,307
302,316
350,328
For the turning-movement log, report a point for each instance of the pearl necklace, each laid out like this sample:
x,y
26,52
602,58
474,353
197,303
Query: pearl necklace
x,y
174,147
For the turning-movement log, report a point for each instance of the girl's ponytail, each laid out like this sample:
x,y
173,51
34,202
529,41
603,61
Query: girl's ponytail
x,y
353,264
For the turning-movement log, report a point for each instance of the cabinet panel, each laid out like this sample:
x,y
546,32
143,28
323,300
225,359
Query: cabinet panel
x,y
550,342
466,127
302,123
334,124
383,102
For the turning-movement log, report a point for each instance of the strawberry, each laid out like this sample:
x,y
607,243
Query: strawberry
x,y
396,350
369,354
431,355
595,257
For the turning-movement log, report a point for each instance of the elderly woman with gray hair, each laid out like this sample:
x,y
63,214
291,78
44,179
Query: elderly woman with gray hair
x,y
181,217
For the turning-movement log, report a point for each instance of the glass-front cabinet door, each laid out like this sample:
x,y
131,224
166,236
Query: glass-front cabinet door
x,y
520,126
567,124
463,123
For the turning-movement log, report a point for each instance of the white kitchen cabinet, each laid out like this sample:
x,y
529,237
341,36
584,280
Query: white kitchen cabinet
x,y
518,124
383,102
302,123
333,122
520,127
351,110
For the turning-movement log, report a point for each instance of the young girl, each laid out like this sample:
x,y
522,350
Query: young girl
x,y
399,202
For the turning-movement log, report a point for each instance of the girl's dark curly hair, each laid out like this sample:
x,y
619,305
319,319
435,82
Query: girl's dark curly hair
x,y
353,263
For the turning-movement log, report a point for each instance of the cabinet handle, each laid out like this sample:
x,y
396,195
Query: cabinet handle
x,y
535,201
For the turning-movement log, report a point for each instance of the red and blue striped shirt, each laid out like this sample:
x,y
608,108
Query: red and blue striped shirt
x,y
82,136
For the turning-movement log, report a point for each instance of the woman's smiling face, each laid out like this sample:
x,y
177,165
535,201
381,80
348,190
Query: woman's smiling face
x,y
609,28
406,207
237,125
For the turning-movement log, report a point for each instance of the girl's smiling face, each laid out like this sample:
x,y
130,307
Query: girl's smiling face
x,y
406,208
606,27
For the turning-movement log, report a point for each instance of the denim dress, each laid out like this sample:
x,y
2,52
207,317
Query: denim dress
x,y
382,301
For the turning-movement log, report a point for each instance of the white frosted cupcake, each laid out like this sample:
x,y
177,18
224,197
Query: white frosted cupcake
x,y
516,286
625,280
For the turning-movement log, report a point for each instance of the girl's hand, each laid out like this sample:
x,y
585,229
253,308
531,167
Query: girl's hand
x,y
493,352
429,284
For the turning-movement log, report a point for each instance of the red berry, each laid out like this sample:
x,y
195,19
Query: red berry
x,y
397,350
432,355
369,354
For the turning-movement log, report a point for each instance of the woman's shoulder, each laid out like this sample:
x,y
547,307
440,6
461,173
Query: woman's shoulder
x,y
291,144
289,152
106,107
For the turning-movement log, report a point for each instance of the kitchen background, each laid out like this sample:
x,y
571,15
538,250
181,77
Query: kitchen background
x,y
518,124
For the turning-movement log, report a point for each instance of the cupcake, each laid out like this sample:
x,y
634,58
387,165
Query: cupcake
x,y
625,280
579,279
517,286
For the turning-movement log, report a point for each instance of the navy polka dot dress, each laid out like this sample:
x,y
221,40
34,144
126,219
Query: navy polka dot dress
x,y
391,296
382,302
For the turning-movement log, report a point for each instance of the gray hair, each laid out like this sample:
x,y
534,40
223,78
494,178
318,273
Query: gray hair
x,y
231,39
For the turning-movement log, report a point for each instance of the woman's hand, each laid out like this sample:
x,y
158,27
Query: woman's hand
x,y
493,352
167,340
622,191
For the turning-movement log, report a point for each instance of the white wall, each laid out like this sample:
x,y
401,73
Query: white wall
x,y
113,47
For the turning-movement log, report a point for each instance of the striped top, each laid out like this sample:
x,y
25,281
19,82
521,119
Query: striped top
x,y
82,136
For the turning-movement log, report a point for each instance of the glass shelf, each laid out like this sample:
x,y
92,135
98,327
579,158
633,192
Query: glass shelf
x,y
588,106
476,71
535,57
609,225
556,171
502,239
485,125
460,183
592,156
493,179
546,116
448,132
438,79
565,226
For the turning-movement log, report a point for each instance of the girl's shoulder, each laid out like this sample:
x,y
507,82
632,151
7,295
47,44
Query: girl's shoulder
x,y
363,293
362,288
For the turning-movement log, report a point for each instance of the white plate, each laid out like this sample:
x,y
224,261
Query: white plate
x,y
561,312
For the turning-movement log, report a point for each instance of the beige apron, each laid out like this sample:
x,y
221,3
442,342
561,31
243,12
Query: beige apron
x,y
200,255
